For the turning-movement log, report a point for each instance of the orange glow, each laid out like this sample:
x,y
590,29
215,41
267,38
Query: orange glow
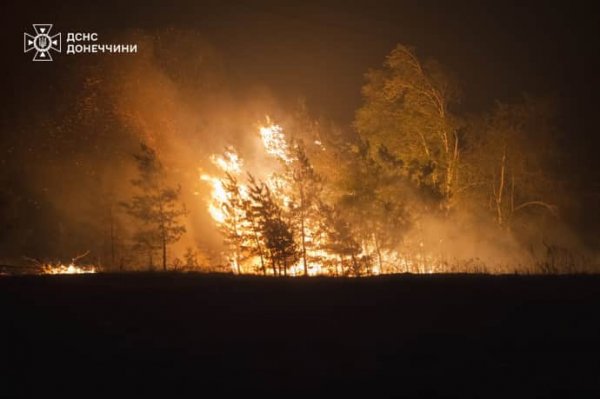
x,y
67,269
323,262
274,142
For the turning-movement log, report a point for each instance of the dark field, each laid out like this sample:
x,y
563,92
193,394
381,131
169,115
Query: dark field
x,y
213,335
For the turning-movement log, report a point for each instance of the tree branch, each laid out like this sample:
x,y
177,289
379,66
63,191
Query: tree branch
x,y
553,209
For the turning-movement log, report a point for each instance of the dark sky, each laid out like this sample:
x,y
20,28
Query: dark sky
x,y
321,49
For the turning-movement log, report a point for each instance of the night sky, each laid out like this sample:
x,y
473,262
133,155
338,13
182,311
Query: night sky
x,y
321,50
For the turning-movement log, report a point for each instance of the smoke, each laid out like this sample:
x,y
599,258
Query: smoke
x,y
470,243
470,240
75,158
178,96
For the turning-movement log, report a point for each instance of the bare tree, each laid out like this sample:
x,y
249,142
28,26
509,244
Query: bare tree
x,y
509,159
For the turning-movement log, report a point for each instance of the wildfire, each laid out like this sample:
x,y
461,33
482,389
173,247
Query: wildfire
x,y
274,142
67,269
219,197
57,267
319,258
229,162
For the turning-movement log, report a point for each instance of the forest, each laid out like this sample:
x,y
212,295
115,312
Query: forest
x,y
420,189
163,163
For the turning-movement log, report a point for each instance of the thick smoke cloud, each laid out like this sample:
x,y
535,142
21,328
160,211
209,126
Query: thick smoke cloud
x,y
175,95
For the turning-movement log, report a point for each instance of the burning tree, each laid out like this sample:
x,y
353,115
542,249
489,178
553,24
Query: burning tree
x,y
253,215
287,221
340,241
234,215
275,230
228,206
157,207
393,199
374,202
273,221
306,192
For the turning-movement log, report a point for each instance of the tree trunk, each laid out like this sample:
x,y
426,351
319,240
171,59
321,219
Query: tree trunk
x,y
164,249
355,265
163,235
236,255
500,192
260,251
164,256
512,195
304,248
378,250
452,156
112,238
262,259
302,207
236,245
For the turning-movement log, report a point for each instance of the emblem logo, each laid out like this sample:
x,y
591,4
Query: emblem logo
x,y
42,42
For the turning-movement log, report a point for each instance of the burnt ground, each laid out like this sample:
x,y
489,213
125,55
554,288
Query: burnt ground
x,y
427,336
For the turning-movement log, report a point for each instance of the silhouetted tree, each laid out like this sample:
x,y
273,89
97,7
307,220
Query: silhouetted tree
x,y
252,217
275,230
232,224
509,159
156,207
340,239
306,189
